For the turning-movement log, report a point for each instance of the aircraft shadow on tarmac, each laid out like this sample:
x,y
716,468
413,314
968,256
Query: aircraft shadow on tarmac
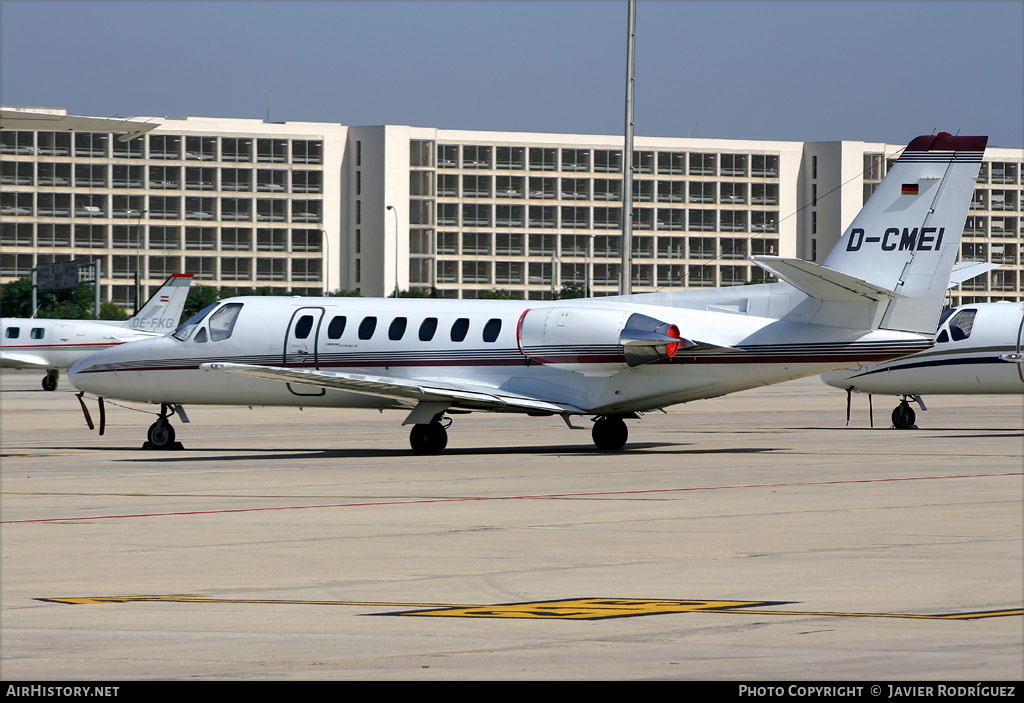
x,y
949,432
645,448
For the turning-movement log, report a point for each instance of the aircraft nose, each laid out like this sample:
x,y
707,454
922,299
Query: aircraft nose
x,y
838,379
80,375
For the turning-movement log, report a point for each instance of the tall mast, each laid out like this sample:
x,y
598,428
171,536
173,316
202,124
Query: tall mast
x,y
626,275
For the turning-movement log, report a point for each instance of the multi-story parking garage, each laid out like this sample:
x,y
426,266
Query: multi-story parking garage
x,y
309,206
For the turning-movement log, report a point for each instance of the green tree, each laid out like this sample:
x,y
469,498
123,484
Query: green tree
x,y
571,290
496,294
417,293
112,311
198,298
74,304
16,298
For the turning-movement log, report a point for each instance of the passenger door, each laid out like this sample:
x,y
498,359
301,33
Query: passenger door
x,y
300,346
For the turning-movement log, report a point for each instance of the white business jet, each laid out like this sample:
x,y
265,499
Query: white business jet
x,y
34,343
878,296
977,350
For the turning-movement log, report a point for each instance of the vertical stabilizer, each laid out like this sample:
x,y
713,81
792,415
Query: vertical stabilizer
x,y
162,312
907,236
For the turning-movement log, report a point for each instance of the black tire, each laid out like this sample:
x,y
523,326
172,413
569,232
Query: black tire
x,y
428,439
610,433
161,434
49,383
903,416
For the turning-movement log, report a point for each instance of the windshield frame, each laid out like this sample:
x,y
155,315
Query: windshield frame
x,y
184,330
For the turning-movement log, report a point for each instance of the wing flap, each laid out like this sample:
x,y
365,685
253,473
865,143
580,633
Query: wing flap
x,y
418,390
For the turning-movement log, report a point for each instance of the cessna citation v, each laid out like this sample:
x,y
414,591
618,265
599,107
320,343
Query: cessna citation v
x,y
33,343
977,350
878,296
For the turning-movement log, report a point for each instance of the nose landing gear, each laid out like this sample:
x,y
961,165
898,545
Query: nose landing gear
x,y
161,433
903,416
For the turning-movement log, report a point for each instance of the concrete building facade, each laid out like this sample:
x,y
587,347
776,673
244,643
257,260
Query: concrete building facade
x,y
308,206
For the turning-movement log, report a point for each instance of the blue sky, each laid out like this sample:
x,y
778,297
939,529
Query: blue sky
x,y
878,71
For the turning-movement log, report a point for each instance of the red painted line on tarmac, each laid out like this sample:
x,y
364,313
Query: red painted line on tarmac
x,y
523,497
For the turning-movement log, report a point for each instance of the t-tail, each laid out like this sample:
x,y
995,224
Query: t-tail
x,y
907,236
162,312
900,249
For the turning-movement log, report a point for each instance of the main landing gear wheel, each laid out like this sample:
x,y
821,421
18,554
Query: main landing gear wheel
x,y
50,380
428,439
903,416
610,433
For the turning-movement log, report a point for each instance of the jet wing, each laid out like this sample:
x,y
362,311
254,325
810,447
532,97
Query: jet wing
x,y
17,360
412,390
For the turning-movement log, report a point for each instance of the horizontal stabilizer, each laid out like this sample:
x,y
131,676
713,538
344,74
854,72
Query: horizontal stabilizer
x,y
823,283
966,270
472,395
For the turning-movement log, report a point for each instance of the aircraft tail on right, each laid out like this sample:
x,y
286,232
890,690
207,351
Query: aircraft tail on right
x,y
907,236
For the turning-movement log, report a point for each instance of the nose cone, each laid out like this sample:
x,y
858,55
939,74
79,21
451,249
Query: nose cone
x,y
85,374
839,379
111,373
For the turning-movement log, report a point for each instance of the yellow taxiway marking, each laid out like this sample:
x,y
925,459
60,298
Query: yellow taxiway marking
x,y
188,598
568,609
587,608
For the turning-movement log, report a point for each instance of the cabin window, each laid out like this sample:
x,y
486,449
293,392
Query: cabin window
x,y
200,335
397,329
491,329
961,325
303,326
427,329
459,329
37,333
13,332
336,328
943,337
366,327
222,322
185,328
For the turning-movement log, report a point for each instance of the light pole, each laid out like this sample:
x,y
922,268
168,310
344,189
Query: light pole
x,y
138,256
327,263
394,212
586,270
626,281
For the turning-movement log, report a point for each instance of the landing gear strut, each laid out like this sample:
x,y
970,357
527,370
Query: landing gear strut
x,y
903,416
161,432
50,380
431,438
610,433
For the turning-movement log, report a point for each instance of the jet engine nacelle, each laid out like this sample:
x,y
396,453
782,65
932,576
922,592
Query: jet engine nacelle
x,y
586,339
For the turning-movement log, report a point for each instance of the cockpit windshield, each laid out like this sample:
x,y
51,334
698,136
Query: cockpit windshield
x,y
185,328
962,324
222,322
945,315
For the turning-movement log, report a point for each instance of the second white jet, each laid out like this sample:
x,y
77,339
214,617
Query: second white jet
x,y
978,350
